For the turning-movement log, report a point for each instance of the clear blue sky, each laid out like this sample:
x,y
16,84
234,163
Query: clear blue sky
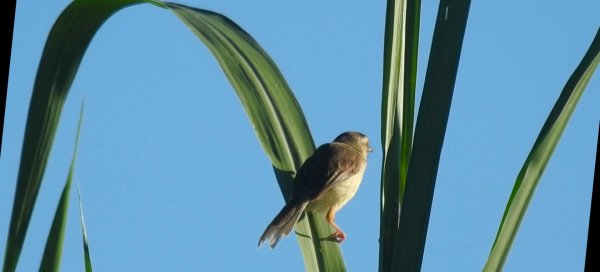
x,y
174,179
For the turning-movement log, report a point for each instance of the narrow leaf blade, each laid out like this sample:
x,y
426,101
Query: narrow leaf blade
x,y
539,156
63,52
54,243
86,247
397,115
429,134
275,114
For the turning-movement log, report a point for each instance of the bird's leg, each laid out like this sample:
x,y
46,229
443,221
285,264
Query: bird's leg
x,y
339,235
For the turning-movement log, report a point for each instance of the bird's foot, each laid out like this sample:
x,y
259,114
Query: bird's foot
x,y
338,236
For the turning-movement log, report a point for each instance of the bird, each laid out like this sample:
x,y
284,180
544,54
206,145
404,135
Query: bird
x,y
325,182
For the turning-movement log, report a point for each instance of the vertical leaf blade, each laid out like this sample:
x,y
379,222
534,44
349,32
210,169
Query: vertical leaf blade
x,y
86,248
539,156
429,133
54,243
397,115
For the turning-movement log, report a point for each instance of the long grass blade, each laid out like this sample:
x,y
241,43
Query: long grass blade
x,y
273,111
275,114
429,134
64,49
86,247
397,115
539,156
54,243
53,250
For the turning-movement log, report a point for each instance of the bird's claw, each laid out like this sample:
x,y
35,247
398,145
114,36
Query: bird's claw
x,y
338,236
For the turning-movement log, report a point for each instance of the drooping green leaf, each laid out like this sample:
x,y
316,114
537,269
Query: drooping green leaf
x,y
397,115
539,156
53,250
64,49
274,112
429,134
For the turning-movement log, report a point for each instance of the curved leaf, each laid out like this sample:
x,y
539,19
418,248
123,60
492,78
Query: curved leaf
x,y
268,101
64,49
540,154
275,114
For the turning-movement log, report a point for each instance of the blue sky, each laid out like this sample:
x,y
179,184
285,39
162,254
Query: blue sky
x,y
173,177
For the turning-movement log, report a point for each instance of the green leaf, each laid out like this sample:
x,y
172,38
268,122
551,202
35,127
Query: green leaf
x,y
429,134
397,115
86,248
273,110
54,243
266,97
53,250
539,156
64,49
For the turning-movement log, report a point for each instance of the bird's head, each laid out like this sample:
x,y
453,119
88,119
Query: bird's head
x,y
355,139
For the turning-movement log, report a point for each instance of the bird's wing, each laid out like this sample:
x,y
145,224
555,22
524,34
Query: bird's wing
x,y
329,164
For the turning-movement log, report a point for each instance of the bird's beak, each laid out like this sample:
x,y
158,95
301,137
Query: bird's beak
x,y
369,149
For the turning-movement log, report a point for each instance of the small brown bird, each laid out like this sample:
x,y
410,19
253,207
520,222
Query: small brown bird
x,y
325,182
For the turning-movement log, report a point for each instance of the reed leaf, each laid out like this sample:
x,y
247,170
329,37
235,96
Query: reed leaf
x,y
273,110
540,154
429,135
64,49
54,243
397,116
266,97
86,248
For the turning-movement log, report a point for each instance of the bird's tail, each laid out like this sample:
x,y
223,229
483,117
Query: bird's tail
x,y
283,223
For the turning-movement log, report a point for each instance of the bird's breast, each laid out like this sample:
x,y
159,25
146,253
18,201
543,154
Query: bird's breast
x,y
339,194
